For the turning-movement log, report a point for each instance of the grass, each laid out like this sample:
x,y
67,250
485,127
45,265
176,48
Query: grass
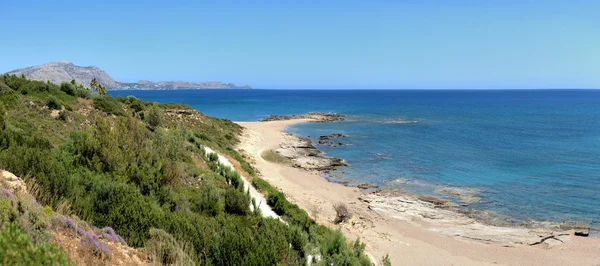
x,y
275,157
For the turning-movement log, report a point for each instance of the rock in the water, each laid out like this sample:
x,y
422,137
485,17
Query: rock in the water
x,y
328,140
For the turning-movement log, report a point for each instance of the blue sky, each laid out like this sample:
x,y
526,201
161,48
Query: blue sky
x,y
315,44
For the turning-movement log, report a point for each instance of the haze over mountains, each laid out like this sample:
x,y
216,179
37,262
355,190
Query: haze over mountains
x,y
57,72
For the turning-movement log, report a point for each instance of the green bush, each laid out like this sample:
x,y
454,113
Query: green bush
x,y
82,92
163,248
208,200
54,103
136,105
2,112
7,213
155,117
16,248
68,88
108,104
237,201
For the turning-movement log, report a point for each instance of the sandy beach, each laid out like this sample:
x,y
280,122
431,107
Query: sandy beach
x,y
412,231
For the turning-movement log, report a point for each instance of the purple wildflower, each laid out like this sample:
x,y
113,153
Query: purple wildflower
x,y
109,233
6,193
70,224
91,242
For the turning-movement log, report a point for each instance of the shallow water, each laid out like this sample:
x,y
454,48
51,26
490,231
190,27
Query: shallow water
x,y
533,154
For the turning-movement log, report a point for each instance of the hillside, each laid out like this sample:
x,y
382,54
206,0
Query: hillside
x,y
121,180
57,72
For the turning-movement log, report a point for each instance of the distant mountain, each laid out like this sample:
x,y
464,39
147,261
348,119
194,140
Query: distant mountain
x,y
57,72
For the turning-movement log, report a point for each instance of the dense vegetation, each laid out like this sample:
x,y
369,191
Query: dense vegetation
x,y
139,167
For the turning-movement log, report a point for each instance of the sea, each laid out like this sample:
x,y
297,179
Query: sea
x,y
529,154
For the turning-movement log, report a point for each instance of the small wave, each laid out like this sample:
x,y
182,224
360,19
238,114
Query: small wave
x,y
402,122
384,120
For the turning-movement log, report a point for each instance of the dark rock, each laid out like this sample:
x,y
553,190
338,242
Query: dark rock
x,y
327,140
367,186
331,136
585,232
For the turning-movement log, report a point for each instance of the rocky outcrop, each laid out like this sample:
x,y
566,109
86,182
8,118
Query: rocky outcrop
x,y
11,182
304,154
441,216
315,116
465,195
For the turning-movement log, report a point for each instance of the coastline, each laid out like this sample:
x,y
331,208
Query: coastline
x,y
409,229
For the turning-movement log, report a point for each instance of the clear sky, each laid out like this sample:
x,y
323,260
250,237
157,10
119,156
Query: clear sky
x,y
315,44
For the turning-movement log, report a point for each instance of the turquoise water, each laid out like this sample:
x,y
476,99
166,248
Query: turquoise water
x,y
533,154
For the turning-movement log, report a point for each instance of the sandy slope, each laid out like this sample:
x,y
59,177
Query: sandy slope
x,y
407,239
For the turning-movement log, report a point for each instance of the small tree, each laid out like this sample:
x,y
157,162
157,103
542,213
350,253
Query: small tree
x,y
155,117
101,90
94,84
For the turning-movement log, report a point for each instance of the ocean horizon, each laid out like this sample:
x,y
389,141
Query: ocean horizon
x,y
527,154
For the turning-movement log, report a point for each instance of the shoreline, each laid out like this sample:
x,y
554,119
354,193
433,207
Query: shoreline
x,y
410,230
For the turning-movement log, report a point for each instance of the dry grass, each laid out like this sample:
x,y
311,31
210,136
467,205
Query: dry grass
x,y
342,213
275,157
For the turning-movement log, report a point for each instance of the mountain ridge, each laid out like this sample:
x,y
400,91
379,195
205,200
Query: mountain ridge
x,y
65,71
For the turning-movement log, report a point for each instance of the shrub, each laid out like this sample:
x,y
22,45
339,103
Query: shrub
x,y
16,248
386,261
136,105
155,117
2,112
213,157
54,103
163,248
7,213
278,202
236,201
342,213
109,105
82,92
68,88
209,201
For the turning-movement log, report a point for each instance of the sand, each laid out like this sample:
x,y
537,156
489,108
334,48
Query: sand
x,y
412,232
